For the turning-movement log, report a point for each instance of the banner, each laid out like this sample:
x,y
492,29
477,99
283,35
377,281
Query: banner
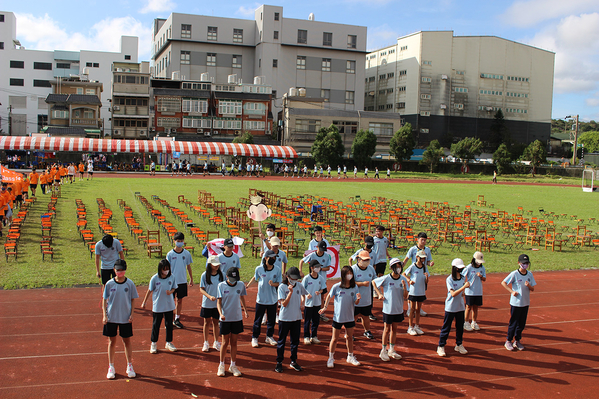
x,y
333,251
8,176
215,246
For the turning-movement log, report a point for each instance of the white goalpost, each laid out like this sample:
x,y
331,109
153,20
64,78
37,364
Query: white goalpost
x,y
588,180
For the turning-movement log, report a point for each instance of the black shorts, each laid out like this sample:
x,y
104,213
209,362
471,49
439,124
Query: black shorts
x,y
125,330
230,327
80,173
325,290
91,172
33,185
363,310
181,291
380,268
19,198
56,180
106,275
210,313
349,324
392,318
417,298
474,300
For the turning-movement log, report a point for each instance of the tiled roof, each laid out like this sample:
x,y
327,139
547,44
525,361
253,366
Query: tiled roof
x,y
73,99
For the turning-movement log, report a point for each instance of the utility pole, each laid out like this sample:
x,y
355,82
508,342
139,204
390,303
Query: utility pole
x,y
10,120
575,143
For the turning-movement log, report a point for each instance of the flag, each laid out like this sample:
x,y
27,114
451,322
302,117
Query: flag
x,y
215,246
8,176
333,251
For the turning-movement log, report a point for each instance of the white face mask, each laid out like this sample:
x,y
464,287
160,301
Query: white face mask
x,y
317,269
349,277
292,281
270,233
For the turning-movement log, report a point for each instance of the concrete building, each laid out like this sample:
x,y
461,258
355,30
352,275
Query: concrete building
x,y
130,110
325,59
446,85
303,117
25,76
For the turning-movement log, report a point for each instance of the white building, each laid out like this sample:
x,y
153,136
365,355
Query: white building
x,y
446,85
325,59
25,76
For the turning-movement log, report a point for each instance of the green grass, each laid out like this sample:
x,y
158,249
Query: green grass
x,y
72,264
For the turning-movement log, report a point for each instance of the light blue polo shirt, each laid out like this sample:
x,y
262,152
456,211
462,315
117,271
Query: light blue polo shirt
x,y
393,291
119,297
267,294
324,260
179,262
211,289
454,304
108,256
373,256
517,280
313,245
380,248
416,275
293,310
161,302
345,299
312,285
280,259
231,305
412,254
361,276
226,262
476,284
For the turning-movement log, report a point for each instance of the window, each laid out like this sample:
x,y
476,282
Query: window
x,y
229,107
390,75
383,76
60,114
381,107
516,111
17,64
275,63
425,96
381,129
382,92
461,90
392,51
424,130
459,72
459,106
196,86
491,76
231,124
352,41
403,73
401,105
254,125
169,104
426,80
88,64
523,95
192,105
326,94
401,88
425,113
346,127
185,31
517,79
96,65
236,61
389,106
237,35
127,57
169,122
17,82
371,79
276,16
1,17
79,90
389,91
349,97
326,65
327,39
403,48
42,65
254,108
350,66
210,59
491,92
185,57
275,35
41,83
63,65
427,63
301,62
90,91
1,45
302,36
212,32
307,125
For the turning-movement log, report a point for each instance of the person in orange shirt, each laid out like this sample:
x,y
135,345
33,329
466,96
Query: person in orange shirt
x,y
3,206
33,180
43,181
11,203
25,187
81,170
63,173
17,192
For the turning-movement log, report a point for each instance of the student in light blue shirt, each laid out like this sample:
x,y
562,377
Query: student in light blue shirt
x,y
228,258
418,278
364,273
162,286
395,291
318,237
180,260
421,240
209,282
454,308
315,284
475,273
523,283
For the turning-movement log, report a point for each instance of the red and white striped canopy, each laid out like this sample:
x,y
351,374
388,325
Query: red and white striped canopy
x,y
138,146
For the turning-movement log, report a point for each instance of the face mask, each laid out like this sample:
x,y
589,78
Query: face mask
x,y
165,272
349,276
270,233
120,274
317,269
271,261
369,246
524,265
292,281
179,244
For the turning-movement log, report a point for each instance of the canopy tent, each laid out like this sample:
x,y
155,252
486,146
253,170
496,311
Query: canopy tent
x,y
138,146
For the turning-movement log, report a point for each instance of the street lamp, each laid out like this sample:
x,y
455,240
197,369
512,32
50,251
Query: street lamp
x,y
575,138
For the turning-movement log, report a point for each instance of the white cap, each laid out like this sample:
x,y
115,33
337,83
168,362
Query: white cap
x,y
457,262
213,259
479,257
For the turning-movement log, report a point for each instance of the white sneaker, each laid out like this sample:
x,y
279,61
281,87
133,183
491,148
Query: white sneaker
x,y
351,359
441,351
394,355
315,340
461,349
111,374
423,313
216,345
411,331
270,341
255,343
153,348
277,319
418,330
467,326
235,371
307,341
331,363
221,370
206,347
130,372
170,347
384,355
475,326
264,319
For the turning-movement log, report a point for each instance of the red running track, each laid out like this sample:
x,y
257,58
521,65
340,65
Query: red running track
x,y
51,346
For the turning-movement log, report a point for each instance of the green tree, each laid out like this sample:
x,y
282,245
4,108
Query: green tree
x,y
502,158
536,154
497,131
402,143
466,149
432,154
590,140
363,147
328,148
245,138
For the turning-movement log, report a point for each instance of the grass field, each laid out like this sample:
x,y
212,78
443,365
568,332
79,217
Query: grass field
x,y
73,265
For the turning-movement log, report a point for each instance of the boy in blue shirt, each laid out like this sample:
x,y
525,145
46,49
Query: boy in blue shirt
x,y
180,261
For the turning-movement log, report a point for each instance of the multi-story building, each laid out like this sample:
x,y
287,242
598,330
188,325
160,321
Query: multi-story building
x,y
74,108
446,85
325,59
130,111
25,76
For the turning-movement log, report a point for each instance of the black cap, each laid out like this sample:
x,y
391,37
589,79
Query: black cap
x,y
322,245
107,240
294,273
270,254
228,242
120,264
233,274
369,240
422,234
315,263
523,259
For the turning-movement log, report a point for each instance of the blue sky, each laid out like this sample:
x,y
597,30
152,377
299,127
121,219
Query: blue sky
x,y
568,28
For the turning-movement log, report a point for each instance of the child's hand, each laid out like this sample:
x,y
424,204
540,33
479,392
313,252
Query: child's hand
x,y
317,293
478,274
526,283
467,284
426,274
131,318
271,283
381,297
245,314
309,296
222,316
104,319
212,298
321,311
431,264
358,296
515,293
290,288
412,282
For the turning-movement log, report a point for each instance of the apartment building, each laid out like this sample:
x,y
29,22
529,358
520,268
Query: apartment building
x,y
26,75
130,110
324,59
446,85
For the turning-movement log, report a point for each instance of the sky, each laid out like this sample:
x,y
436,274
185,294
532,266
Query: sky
x,y
570,29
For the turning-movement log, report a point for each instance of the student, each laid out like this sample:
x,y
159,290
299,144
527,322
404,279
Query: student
x,y
270,232
180,260
318,237
411,255
268,276
364,273
324,259
228,258
329,172
34,178
117,314
280,256
388,174
338,172
294,172
418,278
107,252
290,294
355,172
345,296
376,173
43,181
209,282
395,292
315,171
381,248
230,301
369,247
344,172
162,286
454,308
81,170
71,172
523,283
316,285
321,172
90,170
366,173
286,174
475,274
305,172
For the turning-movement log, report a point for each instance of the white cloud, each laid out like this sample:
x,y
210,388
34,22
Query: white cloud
x,y
592,101
247,12
528,13
157,6
381,36
44,33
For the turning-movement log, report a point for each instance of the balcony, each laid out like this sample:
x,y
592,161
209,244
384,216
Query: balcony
x,y
84,122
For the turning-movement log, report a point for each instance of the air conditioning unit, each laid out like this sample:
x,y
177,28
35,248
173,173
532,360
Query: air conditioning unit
x,y
489,108
268,132
173,130
215,132
143,133
237,132
200,130
117,132
164,109
443,106
116,108
207,133
444,77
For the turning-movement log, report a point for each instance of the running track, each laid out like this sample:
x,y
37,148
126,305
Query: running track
x,y
51,346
